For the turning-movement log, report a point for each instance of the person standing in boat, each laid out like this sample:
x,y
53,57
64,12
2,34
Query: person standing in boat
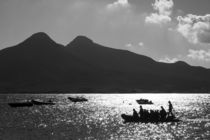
x,y
170,109
163,113
135,114
141,112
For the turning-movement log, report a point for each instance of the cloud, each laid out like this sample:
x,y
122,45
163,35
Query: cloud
x,y
157,19
166,59
141,44
118,4
199,55
163,10
129,45
136,48
196,29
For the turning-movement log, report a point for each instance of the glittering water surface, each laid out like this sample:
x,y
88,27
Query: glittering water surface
x,y
100,117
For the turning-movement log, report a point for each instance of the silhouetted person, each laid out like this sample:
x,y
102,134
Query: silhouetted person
x,y
162,113
145,114
135,114
141,112
156,115
170,109
152,115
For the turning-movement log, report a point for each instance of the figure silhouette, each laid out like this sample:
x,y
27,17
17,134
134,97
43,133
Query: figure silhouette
x,y
141,112
170,109
135,114
163,113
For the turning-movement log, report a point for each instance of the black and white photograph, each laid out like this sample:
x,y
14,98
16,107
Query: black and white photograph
x,y
104,69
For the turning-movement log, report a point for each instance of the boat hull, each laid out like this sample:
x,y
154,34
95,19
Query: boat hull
x,y
129,118
77,99
42,103
23,104
144,102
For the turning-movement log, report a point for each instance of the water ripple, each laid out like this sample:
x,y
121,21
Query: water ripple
x,y
99,118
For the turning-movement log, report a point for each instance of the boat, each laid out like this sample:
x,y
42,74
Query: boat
x,y
144,101
30,103
130,118
77,99
21,104
39,102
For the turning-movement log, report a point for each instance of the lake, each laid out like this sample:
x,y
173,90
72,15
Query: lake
x,y
100,117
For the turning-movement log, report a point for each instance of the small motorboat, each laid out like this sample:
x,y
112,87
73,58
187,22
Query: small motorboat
x,y
77,99
21,104
144,101
39,102
130,118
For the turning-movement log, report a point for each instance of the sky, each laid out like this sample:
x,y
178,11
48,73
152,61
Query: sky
x,y
165,30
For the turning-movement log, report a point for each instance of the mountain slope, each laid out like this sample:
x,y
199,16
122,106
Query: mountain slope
x,y
139,71
39,64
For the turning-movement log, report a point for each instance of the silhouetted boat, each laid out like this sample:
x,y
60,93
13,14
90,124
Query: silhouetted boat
x,y
77,99
21,104
37,102
130,118
144,101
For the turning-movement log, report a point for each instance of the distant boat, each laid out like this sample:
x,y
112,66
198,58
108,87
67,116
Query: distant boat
x,y
130,118
30,103
78,99
39,102
21,104
144,101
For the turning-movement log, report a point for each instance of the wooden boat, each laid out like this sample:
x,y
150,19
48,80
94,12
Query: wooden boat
x,y
130,118
37,102
21,104
77,99
144,101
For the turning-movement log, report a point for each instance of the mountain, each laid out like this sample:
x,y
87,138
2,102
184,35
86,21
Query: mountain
x,y
39,64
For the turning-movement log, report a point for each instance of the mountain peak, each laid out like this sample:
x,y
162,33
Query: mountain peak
x,y
38,38
181,63
81,41
40,34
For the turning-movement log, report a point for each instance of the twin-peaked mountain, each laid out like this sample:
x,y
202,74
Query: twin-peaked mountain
x,y
41,65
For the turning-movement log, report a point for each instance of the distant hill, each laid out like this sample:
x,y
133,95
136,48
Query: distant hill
x,y
39,64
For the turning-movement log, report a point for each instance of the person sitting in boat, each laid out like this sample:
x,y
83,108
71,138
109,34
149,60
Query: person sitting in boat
x,y
141,112
170,113
156,115
146,114
163,113
50,101
152,115
135,114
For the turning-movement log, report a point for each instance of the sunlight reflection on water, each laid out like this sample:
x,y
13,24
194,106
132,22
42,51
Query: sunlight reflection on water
x,y
99,118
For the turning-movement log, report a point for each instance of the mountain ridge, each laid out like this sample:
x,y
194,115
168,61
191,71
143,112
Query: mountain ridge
x,y
39,64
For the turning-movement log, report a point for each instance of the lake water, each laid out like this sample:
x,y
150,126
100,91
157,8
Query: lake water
x,y
100,117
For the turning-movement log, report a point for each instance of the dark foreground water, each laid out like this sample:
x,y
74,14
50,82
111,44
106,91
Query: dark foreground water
x,y
99,118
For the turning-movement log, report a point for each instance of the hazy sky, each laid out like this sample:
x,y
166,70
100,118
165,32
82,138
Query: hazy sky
x,y
166,30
